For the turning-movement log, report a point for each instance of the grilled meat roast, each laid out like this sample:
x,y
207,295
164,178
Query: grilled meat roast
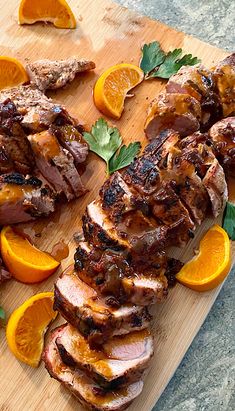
x,y
121,263
41,145
195,99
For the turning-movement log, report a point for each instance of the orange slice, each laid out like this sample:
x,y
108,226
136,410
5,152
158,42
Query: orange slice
x,y
12,73
57,12
27,326
211,265
112,87
24,261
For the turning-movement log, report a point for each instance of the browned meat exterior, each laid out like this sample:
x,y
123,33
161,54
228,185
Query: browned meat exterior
x,y
113,274
4,274
38,111
15,152
224,74
90,394
49,74
80,305
71,139
198,82
176,111
222,134
56,164
23,199
120,361
216,186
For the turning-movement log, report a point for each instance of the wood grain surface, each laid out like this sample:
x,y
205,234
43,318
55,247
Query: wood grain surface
x,y
107,34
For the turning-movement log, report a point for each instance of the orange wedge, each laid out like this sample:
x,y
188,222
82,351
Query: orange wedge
x,y
12,73
112,87
57,12
24,261
211,265
27,326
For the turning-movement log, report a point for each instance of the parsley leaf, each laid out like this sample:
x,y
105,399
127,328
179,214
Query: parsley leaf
x,y
124,157
2,317
173,63
152,56
229,220
103,140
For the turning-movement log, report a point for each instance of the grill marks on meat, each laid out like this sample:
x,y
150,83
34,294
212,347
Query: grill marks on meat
x,y
115,275
23,199
80,305
47,74
56,164
216,186
90,394
120,361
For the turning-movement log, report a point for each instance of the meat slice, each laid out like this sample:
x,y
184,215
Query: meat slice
x,y
112,274
120,361
49,74
118,198
56,164
38,111
216,186
222,135
90,394
198,82
15,152
23,199
71,139
224,74
80,305
176,111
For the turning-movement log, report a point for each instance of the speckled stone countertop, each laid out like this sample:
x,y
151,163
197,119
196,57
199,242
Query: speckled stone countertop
x,y
205,380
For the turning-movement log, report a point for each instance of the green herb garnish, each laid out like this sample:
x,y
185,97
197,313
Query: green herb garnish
x,y
229,220
2,317
105,141
156,63
124,157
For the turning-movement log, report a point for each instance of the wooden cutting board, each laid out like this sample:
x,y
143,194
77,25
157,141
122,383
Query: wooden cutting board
x,y
107,34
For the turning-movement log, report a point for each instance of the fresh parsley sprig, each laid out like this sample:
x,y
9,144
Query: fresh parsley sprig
x,y
156,63
105,142
229,220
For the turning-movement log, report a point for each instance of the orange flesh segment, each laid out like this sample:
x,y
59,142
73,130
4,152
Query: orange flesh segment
x,y
27,326
209,268
112,87
57,12
12,73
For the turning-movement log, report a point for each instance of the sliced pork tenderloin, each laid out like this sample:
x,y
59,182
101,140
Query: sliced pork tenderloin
x,y
80,305
90,394
54,74
198,82
37,110
71,139
120,360
216,186
23,199
56,164
176,111
224,74
112,274
222,135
